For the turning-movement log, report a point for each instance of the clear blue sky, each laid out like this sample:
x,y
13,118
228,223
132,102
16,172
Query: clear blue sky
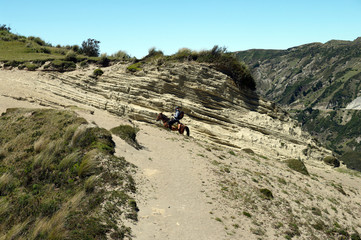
x,y
168,25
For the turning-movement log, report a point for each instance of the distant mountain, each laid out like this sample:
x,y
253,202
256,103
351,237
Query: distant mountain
x,y
316,82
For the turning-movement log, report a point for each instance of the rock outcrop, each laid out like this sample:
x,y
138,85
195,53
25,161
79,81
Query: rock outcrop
x,y
216,110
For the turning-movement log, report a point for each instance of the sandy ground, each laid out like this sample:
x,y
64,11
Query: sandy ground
x,y
171,178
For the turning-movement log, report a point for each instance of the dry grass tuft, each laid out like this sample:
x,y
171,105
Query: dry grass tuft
x,y
70,160
78,134
89,163
15,231
40,144
7,182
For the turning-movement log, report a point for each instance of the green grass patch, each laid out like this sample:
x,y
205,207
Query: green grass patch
x,y
128,134
60,65
135,67
248,150
52,185
266,193
297,165
247,214
98,72
332,161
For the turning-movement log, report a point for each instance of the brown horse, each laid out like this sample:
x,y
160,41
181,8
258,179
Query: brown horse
x,y
180,128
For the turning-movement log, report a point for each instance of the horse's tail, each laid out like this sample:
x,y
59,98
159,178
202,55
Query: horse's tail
x,y
187,130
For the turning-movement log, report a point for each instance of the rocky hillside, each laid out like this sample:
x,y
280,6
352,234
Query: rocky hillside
x,y
248,171
320,85
215,108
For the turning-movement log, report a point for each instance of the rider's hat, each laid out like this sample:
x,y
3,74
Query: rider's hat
x,y
178,107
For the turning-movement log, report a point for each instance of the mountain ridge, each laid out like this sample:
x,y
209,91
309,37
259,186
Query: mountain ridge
x,y
316,83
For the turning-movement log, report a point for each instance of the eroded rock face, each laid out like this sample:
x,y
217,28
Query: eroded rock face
x,y
216,110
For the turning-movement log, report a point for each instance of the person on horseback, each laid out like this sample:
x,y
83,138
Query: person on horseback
x,y
178,115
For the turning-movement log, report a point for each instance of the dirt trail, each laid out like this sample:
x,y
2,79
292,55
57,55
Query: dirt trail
x,y
172,185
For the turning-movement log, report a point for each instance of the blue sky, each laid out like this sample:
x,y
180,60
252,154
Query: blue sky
x,y
137,26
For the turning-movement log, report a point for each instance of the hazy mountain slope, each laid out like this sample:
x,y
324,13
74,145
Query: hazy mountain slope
x,y
231,179
316,82
313,75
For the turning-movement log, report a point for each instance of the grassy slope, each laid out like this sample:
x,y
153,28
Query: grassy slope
x,y
19,48
59,179
18,51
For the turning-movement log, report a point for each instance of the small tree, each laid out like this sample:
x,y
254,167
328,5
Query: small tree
x,y
90,47
5,28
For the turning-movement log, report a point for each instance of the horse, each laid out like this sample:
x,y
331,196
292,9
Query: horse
x,y
180,128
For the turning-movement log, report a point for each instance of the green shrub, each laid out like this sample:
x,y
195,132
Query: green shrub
x,y
98,72
62,66
104,61
44,50
185,54
84,64
31,66
21,66
71,57
266,193
248,150
226,63
121,55
297,165
232,153
229,65
153,52
247,214
135,67
128,134
75,48
12,64
332,161
38,40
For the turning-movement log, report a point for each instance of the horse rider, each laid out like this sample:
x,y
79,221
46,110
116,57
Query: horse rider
x,y
177,116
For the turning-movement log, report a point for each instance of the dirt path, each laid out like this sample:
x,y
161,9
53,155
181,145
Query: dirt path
x,y
171,187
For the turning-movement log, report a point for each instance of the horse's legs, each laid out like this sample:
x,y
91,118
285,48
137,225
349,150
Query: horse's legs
x,y
187,130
